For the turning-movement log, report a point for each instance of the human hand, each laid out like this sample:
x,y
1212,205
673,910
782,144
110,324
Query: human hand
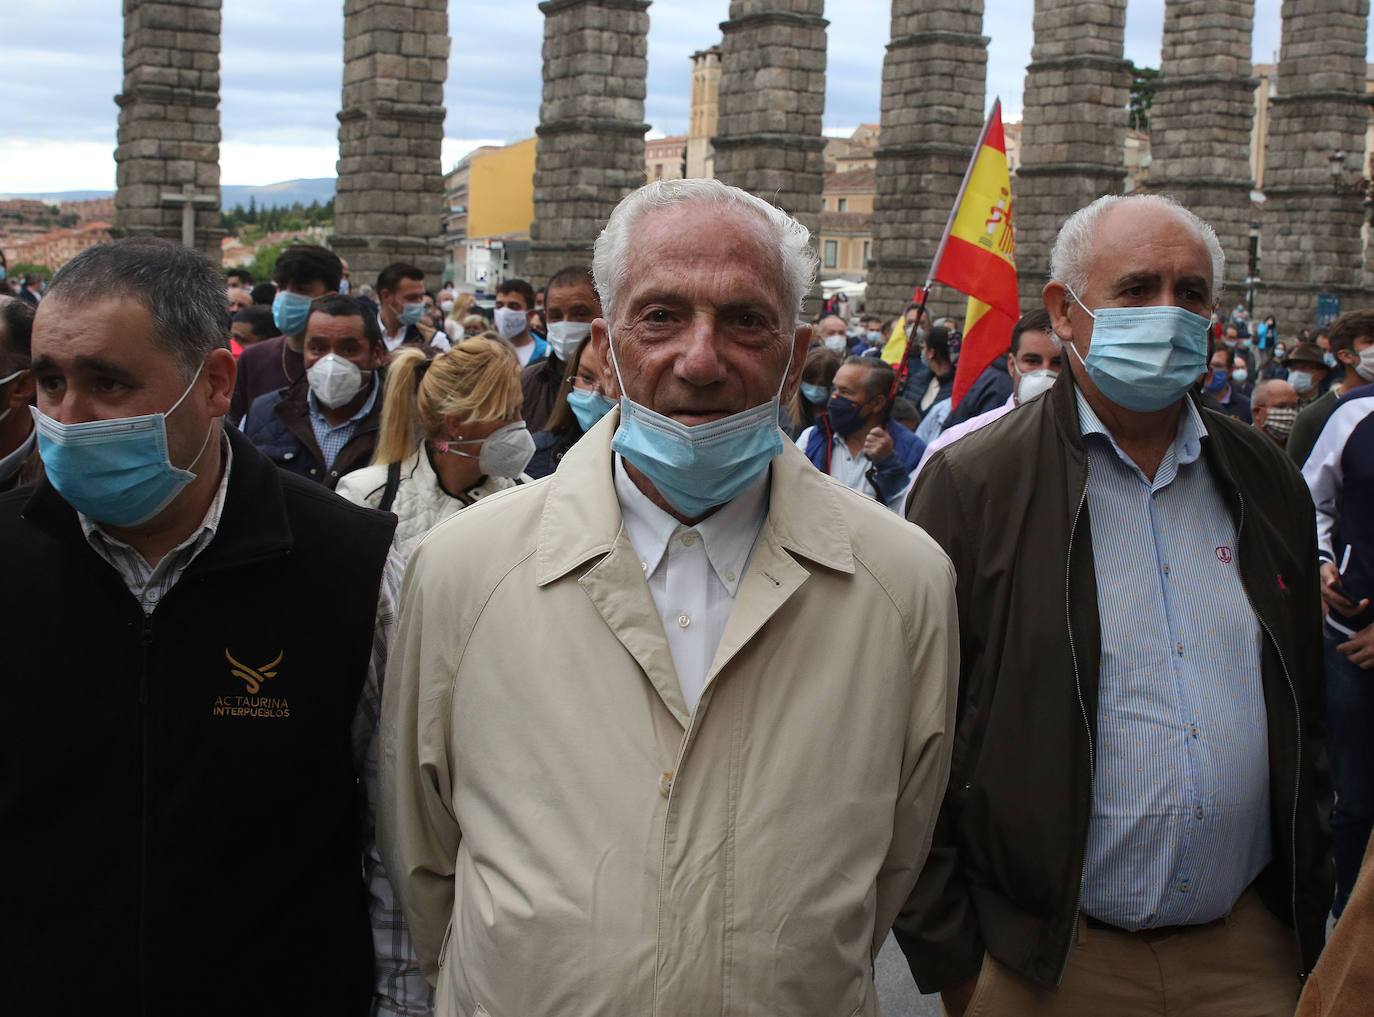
x,y
1333,593
877,445
1360,648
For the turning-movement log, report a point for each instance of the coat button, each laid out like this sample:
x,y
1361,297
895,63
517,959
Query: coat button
x,y
665,783
289,455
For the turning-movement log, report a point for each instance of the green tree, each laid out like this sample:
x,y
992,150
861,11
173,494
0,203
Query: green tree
x,y
265,261
1142,97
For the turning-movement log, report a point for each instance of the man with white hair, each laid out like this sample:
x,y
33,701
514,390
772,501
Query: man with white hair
x,y
666,732
1134,816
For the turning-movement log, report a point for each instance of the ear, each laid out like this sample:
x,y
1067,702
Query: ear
x,y
601,344
453,425
220,372
1058,303
801,340
23,391
1011,363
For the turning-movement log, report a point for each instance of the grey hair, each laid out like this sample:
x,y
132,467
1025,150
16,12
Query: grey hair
x,y
180,289
610,264
1072,253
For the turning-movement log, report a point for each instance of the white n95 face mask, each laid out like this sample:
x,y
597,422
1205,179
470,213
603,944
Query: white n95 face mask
x,y
1033,383
334,380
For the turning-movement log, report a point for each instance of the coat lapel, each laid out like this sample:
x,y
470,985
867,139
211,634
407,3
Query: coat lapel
x,y
617,587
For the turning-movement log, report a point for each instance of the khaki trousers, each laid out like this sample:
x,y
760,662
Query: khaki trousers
x,y
1244,965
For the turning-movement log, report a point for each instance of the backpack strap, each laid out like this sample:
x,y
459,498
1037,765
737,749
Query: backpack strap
x,y
393,482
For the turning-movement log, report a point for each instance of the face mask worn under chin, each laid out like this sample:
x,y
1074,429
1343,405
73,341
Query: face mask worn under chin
x,y
566,336
118,472
290,312
589,407
412,314
1033,383
697,468
334,380
1279,420
1144,358
504,453
510,322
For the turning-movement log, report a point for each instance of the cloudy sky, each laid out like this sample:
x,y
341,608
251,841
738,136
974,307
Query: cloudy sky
x,y
282,69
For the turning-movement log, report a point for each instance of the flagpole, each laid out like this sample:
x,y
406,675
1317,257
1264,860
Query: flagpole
x,y
923,294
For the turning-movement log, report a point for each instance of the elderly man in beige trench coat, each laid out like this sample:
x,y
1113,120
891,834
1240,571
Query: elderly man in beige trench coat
x,y
666,733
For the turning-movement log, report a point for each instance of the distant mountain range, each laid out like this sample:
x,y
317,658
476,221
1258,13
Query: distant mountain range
x,y
279,195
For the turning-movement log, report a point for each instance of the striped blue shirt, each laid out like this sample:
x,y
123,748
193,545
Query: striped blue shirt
x,y
1180,819
332,439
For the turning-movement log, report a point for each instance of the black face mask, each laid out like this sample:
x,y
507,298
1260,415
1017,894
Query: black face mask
x,y
846,416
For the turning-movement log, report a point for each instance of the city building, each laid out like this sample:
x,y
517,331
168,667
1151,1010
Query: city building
x,y
488,208
704,113
665,158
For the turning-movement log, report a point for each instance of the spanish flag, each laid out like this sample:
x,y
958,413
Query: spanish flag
x,y
977,256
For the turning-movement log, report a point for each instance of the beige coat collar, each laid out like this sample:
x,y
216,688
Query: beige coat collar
x,y
581,517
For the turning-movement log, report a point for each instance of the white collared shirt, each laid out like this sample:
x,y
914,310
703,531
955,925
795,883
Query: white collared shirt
x,y
693,572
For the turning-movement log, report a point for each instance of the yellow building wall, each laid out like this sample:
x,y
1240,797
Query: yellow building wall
x,y
501,191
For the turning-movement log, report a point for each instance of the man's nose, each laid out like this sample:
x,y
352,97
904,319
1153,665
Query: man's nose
x,y
700,362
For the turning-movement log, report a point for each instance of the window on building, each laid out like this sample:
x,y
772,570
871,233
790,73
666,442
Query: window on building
x,y
658,171
844,204
832,253
866,245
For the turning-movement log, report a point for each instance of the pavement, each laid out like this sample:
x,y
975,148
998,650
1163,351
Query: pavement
x,y
897,993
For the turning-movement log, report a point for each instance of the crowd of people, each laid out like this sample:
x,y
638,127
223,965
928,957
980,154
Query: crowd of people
x,y
634,645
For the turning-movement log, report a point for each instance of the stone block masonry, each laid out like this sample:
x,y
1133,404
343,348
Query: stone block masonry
x,y
932,111
772,97
1072,129
1201,121
168,139
1311,226
590,151
390,187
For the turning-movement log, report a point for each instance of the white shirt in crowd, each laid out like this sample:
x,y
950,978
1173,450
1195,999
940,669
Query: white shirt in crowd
x,y
693,572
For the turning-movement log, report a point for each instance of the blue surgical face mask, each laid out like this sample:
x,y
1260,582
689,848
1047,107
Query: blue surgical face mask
x,y
412,314
1144,358
697,468
117,472
1216,381
873,338
589,407
290,311
343,287
1329,359
815,394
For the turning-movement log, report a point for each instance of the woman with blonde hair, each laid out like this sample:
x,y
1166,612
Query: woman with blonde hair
x,y
450,434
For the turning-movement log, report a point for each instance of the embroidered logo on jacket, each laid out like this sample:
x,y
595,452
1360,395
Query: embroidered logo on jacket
x,y
252,704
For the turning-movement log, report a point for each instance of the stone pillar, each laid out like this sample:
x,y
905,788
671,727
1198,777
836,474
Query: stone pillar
x,y
1312,217
772,96
1073,127
934,84
1200,124
590,152
391,128
167,157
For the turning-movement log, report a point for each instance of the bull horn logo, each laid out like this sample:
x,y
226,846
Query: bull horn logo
x,y
252,677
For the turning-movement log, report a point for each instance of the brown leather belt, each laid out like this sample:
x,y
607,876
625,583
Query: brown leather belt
x,y
1149,935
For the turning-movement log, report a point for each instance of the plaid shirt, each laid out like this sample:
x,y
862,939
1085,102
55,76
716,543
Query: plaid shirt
x,y
333,439
399,987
